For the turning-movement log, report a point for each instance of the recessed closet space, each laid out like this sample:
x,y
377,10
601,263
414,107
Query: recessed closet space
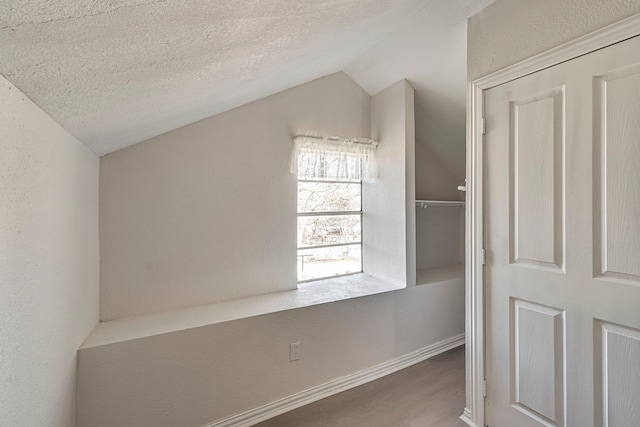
x,y
440,210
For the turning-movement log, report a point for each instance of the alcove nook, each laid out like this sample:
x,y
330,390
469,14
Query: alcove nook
x,y
440,208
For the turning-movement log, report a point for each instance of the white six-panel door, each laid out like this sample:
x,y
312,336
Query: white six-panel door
x,y
562,234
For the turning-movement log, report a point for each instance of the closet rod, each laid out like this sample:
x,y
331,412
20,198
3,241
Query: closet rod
x,y
440,203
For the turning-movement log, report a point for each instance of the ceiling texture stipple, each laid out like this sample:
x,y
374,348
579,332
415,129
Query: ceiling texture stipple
x,y
117,72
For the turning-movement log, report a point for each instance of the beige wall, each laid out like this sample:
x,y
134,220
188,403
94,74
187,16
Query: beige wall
x,y
509,31
440,235
433,180
48,262
200,375
207,212
389,216
197,376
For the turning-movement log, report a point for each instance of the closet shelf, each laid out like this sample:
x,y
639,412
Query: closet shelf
x,y
425,276
441,203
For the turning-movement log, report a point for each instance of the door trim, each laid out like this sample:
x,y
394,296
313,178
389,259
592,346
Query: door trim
x,y
474,413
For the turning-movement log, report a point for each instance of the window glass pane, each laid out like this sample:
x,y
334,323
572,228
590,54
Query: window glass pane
x,y
328,262
327,197
321,164
328,230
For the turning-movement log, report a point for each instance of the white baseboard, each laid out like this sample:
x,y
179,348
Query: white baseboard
x,y
466,418
339,385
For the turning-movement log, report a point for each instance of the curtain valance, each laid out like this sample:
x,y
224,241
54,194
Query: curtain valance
x,y
333,158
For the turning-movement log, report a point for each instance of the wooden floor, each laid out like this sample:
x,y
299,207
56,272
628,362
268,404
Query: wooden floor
x,y
429,394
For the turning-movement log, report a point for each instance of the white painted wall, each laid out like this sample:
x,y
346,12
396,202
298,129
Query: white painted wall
x,y
509,31
410,181
48,262
201,375
389,231
207,212
433,180
158,195
439,230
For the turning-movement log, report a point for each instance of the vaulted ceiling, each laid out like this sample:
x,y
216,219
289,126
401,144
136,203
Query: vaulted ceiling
x,y
117,72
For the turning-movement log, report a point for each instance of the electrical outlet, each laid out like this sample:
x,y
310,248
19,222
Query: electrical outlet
x,y
294,351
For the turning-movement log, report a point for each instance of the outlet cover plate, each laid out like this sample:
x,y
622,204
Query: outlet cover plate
x,y
294,351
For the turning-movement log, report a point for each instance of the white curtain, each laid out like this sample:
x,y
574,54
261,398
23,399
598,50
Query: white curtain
x,y
333,158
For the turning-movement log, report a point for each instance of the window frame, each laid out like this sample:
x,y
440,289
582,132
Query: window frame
x,y
329,213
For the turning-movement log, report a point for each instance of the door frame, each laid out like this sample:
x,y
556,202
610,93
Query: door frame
x,y
474,412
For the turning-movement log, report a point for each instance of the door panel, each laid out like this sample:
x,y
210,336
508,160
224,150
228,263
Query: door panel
x,y
525,242
538,361
536,179
562,234
617,119
618,375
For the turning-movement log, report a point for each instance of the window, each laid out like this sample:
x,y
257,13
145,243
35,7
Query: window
x,y
329,228
330,172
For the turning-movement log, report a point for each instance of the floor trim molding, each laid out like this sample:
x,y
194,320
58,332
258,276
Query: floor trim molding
x,y
466,418
339,385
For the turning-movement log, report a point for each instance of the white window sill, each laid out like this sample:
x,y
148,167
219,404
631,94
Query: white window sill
x,y
307,294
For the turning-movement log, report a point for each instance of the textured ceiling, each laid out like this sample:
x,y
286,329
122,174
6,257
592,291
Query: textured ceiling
x,y
116,72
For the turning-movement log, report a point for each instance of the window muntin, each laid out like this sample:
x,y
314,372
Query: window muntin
x,y
329,228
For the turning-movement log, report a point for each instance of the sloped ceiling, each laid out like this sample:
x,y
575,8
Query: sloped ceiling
x,y
117,72
429,49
